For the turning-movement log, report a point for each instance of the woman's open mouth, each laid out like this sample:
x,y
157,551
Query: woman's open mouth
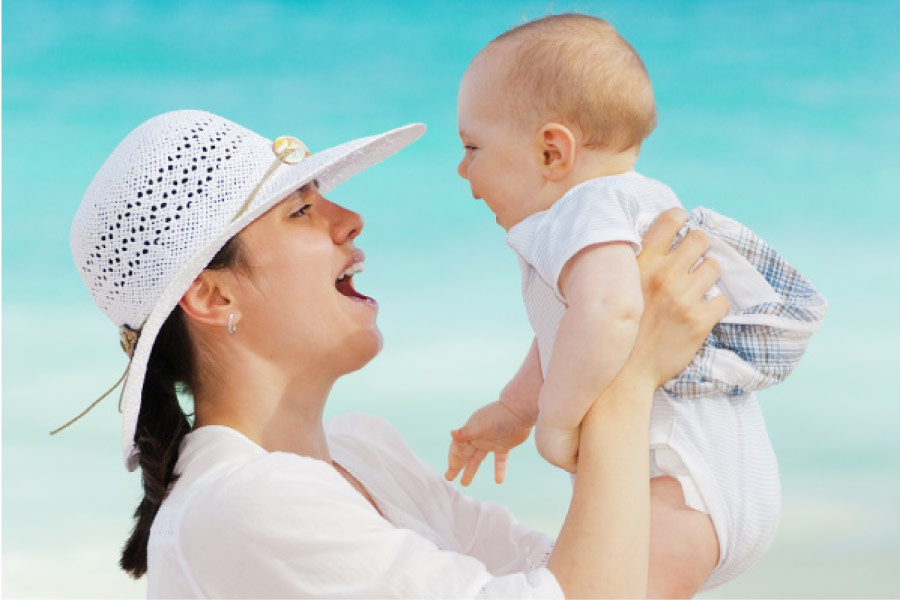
x,y
344,284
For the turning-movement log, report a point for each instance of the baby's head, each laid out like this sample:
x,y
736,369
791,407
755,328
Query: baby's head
x,y
547,105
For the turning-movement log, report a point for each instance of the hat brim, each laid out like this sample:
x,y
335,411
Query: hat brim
x,y
330,168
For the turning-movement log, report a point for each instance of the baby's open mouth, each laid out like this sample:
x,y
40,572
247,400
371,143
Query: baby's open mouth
x,y
344,284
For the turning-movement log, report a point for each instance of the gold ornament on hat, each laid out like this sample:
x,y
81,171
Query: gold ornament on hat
x,y
288,151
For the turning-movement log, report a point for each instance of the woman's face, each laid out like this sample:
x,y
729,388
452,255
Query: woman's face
x,y
296,310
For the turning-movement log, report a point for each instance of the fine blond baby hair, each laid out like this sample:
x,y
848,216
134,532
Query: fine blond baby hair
x,y
578,70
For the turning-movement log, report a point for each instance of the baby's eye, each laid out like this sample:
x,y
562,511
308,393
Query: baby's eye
x,y
470,148
302,211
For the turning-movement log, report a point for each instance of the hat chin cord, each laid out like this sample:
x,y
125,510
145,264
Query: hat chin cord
x,y
97,401
128,338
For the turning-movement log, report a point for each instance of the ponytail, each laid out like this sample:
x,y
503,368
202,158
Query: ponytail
x,y
162,424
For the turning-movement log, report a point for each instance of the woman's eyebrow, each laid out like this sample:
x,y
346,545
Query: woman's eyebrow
x,y
309,187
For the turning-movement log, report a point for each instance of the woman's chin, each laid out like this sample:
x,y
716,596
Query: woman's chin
x,y
365,346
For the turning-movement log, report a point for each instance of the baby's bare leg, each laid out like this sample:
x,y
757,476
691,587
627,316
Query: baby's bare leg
x,y
683,545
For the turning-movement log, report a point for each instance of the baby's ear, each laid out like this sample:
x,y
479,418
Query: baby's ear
x,y
556,143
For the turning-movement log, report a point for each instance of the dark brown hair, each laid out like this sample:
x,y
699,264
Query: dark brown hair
x,y
162,423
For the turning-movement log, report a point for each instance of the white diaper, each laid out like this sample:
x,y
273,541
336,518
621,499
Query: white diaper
x,y
719,451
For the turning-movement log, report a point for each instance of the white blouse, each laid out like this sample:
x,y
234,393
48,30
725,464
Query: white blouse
x,y
244,522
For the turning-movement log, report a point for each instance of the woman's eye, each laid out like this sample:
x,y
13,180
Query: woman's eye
x,y
302,211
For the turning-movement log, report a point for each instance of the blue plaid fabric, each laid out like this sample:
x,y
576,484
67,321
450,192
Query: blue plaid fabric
x,y
759,345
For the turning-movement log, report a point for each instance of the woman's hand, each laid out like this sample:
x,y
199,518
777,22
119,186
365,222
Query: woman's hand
x,y
676,317
603,547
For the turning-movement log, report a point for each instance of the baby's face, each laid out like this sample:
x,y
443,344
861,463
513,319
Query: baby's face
x,y
501,161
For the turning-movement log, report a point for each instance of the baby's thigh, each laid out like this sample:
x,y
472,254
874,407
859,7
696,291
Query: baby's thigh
x,y
683,545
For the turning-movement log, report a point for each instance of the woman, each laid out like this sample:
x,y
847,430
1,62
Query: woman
x,y
259,497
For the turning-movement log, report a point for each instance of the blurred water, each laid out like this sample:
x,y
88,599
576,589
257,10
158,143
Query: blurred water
x,y
783,116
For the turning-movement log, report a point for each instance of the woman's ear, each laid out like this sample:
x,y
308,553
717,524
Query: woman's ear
x,y
208,300
557,146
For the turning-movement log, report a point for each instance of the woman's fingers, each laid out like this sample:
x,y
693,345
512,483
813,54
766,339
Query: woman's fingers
x,y
701,280
690,249
676,318
718,307
661,234
658,240
704,276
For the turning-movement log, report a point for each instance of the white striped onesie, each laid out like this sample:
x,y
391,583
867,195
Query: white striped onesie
x,y
708,435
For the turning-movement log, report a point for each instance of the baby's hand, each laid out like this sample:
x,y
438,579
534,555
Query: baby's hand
x,y
492,428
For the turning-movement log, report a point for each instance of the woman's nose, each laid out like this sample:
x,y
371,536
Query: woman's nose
x,y
345,224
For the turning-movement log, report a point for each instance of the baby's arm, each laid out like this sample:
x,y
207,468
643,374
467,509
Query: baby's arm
x,y
602,287
521,393
500,426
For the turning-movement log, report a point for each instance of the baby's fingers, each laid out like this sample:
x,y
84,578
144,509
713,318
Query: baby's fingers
x,y
500,466
463,434
457,458
477,427
472,466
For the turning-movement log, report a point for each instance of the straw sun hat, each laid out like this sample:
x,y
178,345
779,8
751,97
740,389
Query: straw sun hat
x,y
167,199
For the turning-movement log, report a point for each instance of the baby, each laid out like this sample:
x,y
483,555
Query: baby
x,y
552,115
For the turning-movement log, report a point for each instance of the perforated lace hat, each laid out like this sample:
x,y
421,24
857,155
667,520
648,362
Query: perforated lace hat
x,y
167,199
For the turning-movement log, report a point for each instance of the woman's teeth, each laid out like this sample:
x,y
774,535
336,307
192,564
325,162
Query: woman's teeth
x,y
352,270
344,284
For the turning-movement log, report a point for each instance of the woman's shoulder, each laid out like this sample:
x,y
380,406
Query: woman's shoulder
x,y
376,453
225,474
370,428
369,439
266,520
215,460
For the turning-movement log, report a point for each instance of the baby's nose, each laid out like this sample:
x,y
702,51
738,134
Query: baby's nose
x,y
462,169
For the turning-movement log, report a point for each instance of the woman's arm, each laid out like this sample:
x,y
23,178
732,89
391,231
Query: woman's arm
x,y
603,547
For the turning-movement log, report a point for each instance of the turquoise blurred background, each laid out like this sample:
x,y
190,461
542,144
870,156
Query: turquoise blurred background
x,y
783,115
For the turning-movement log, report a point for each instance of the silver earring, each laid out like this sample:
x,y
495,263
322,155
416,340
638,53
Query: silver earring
x,y
231,326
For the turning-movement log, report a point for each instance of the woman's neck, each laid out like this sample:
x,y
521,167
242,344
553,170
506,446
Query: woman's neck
x,y
279,411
